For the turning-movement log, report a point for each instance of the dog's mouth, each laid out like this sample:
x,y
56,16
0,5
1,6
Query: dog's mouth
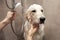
x,y
41,22
36,25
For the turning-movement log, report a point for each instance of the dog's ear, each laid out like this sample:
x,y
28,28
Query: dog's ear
x,y
27,15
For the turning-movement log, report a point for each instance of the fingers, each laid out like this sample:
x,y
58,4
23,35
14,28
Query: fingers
x,y
11,15
32,30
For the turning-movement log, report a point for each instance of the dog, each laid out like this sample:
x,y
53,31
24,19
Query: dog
x,y
35,16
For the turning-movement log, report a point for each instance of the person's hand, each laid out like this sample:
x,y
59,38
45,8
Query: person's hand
x,y
32,30
10,16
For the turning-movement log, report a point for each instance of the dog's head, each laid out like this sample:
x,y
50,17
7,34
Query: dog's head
x,y
35,14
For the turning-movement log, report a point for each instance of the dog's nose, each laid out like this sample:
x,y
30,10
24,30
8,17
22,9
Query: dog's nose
x,y
42,19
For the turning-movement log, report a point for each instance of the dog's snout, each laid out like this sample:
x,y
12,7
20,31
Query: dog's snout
x,y
42,19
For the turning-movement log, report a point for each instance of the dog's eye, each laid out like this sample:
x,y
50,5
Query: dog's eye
x,y
33,10
41,10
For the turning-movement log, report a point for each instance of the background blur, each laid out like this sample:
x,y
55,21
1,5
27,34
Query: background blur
x,y
52,23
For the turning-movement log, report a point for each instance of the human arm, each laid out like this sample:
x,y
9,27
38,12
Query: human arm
x,y
9,17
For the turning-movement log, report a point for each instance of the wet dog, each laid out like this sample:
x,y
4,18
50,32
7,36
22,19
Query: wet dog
x,y
35,16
